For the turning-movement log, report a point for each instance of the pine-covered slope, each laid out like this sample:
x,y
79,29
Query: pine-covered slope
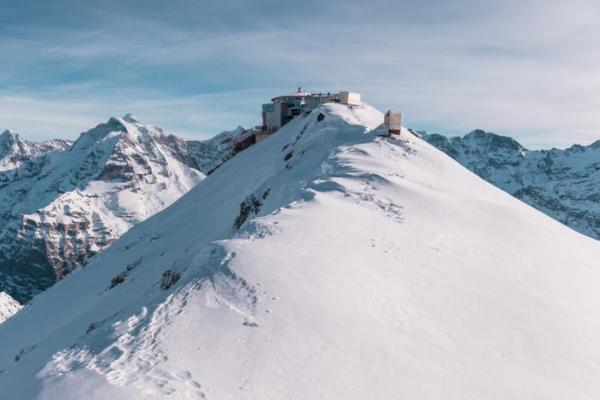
x,y
326,262
565,184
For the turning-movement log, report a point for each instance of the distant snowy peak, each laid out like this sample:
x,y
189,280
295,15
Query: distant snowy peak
x,y
72,204
477,143
9,142
202,155
12,143
122,148
8,306
112,130
565,184
15,152
491,140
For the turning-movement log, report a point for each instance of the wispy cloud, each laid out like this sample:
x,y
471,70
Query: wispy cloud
x,y
525,68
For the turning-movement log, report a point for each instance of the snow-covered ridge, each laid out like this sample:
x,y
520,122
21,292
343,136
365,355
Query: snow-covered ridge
x,y
8,306
60,207
326,262
565,184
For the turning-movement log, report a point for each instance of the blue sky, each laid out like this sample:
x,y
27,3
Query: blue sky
x,y
529,68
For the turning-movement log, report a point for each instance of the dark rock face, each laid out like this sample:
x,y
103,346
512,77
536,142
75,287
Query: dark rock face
x,y
564,184
169,278
250,206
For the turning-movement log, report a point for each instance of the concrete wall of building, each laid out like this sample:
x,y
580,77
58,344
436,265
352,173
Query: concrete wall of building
x,y
282,109
350,98
316,100
270,120
393,120
277,115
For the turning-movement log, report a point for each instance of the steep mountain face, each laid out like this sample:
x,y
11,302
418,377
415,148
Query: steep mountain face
x,y
565,184
8,306
325,262
59,208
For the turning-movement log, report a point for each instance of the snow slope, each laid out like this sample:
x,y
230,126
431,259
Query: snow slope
x,y
565,184
323,263
61,208
8,306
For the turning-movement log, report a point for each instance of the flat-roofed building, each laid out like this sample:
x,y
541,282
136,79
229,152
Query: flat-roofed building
x,y
282,109
393,119
350,98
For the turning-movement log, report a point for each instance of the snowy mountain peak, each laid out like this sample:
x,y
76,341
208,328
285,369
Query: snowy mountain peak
x,y
113,127
9,143
492,140
577,148
8,135
72,204
125,129
17,156
130,118
133,127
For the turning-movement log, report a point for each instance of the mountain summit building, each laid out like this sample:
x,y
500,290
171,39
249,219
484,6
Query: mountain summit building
x,y
282,109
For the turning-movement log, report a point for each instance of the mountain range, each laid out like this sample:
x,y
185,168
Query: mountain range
x,y
565,184
62,202
329,261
